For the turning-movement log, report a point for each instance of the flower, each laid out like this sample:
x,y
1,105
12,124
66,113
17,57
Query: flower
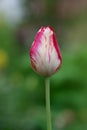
x,y
45,54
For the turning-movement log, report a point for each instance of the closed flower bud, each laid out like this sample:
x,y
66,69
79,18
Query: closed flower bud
x,y
45,54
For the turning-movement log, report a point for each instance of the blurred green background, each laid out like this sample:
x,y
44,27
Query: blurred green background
x,y
22,92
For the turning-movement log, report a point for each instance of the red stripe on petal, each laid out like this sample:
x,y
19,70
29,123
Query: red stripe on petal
x,y
55,43
37,41
57,47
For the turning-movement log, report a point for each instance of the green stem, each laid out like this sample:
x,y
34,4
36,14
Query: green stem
x,y
48,112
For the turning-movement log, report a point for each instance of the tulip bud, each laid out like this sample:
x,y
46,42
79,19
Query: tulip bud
x,y
45,54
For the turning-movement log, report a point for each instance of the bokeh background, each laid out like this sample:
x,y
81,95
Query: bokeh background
x,y
22,92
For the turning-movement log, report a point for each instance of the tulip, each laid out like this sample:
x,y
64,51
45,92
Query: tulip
x,y
45,53
46,59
